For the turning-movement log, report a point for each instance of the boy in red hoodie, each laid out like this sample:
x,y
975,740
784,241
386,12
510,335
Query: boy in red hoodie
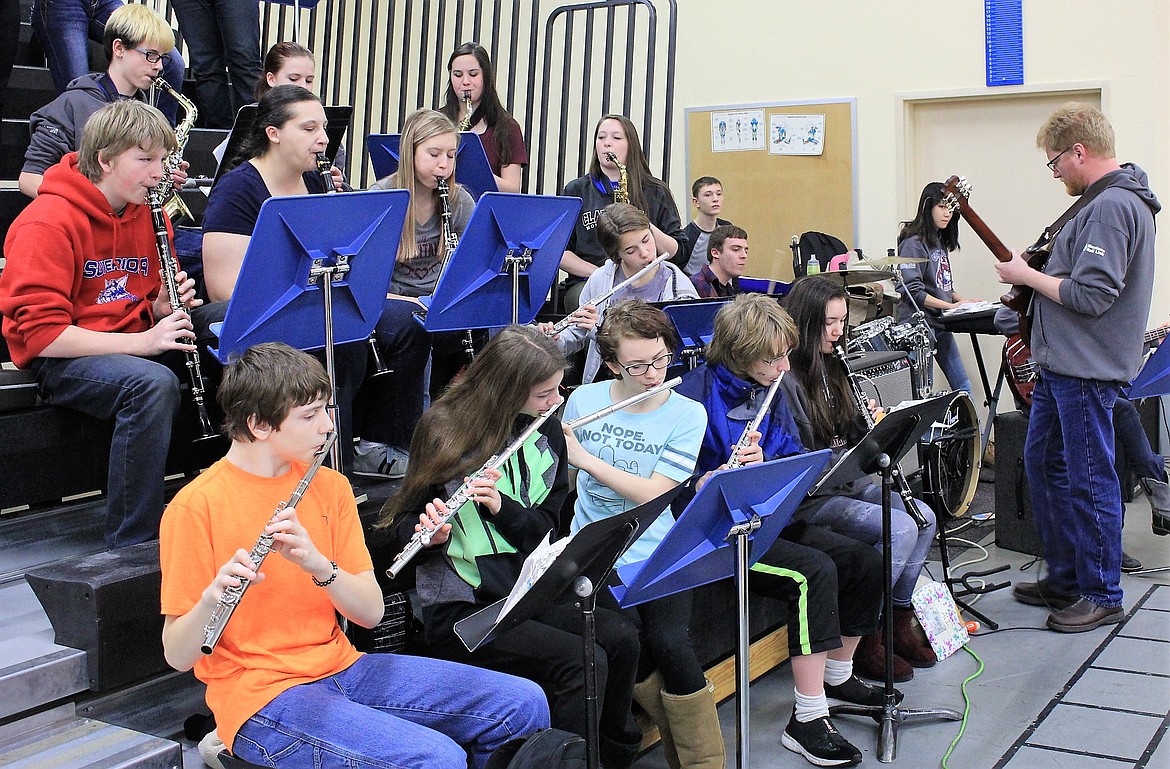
x,y
84,310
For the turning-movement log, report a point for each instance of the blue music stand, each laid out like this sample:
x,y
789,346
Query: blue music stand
x,y
1154,378
471,163
763,286
750,505
695,322
509,237
315,274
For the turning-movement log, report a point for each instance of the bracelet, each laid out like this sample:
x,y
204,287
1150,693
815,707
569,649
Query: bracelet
x,y
329,581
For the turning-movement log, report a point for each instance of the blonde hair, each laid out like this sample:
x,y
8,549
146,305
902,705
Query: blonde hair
x,y
118,127
1077,123
750,328
135,24
420,126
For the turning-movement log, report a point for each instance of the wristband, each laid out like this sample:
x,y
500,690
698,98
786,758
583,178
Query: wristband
x,y
329,581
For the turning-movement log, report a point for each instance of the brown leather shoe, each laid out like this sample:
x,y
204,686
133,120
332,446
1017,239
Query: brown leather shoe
x,y
1084,615
1042,594
869,661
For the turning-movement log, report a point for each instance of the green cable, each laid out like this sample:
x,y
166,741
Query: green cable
x,y
966,706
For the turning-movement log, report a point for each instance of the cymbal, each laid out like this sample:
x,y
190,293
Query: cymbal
x,y
890,261
855,276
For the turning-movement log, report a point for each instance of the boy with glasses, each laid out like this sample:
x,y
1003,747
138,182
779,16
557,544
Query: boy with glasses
x,y
136,40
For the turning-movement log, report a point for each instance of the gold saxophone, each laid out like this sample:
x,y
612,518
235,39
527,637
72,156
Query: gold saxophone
x,y
173,204
621,193
465,123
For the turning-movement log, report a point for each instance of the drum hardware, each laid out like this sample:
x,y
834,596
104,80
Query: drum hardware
x,y
871,336
952,458
891,261
855,275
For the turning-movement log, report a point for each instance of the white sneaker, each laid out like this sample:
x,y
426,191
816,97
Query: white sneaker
x,y
377,460
209,749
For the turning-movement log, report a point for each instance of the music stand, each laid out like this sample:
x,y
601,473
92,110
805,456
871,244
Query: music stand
x,y
695,322
306,252
509,237
750,505
767,286
471,161
878,452
577,575
1153,380
338,117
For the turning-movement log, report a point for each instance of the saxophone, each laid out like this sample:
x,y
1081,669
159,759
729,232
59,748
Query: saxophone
x,y
465,123
621,193
173,204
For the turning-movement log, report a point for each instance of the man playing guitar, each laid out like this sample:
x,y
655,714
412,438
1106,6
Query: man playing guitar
x,y
1092,300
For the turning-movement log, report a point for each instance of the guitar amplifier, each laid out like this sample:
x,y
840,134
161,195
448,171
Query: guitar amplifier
x,y
886,377
1014,527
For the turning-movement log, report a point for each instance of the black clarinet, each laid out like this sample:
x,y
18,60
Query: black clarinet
x,y
325,168
450,243
902,486
169,267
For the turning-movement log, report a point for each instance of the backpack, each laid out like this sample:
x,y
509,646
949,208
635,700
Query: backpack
x,y
544,749
819,246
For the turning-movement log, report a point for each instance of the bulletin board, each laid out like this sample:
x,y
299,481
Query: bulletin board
x,y
775,196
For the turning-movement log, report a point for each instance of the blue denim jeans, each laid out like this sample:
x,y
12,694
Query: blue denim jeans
x,y
1076,497
141,396
393,711
65,27
861,518
946,352
1133,442
223,37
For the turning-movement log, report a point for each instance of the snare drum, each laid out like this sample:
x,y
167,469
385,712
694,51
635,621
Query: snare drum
x,y
871,336
953,453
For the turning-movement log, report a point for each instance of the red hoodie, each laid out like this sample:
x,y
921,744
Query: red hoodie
x,y
72,261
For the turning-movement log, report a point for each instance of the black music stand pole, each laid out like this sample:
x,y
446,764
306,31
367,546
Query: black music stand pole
x,y
879,451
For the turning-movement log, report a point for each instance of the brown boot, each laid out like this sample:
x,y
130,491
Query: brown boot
x,y
907,644
694,722
648,694
870,661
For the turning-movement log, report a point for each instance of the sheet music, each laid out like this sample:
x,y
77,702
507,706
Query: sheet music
x,y
970,308
535,565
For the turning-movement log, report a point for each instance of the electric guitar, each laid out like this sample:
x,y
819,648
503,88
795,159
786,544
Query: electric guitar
x,y
1022,370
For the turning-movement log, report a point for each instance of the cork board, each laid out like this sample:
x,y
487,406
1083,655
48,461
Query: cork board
x,y
774,196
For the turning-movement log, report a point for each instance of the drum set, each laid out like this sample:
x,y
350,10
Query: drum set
x,y
950,453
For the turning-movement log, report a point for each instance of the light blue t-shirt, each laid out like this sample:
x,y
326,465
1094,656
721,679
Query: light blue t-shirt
x,y
665,441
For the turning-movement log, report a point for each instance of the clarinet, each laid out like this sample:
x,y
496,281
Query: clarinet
x,y
903,487
450,243
325,168
422,537
232,595
169,267
754,425
596,301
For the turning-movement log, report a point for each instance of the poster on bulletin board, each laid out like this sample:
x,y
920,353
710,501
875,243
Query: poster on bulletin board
x,y
737,130
796,134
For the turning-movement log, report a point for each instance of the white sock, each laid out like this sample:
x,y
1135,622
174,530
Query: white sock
x,y
838,672
810,707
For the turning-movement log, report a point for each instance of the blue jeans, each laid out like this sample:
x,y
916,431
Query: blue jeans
x,y
393,711
861,518
65,27
393,404
1076,497
223,37
946,352
1133,442
141,395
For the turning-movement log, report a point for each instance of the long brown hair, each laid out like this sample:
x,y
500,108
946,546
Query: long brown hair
x,y
490,108
823,376
420,126
638,175
473,419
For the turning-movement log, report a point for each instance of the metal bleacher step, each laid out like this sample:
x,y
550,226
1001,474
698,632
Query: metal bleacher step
x,y
83,743
34,670
29,89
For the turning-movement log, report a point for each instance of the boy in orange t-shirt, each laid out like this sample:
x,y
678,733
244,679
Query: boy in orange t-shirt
x,y
286,686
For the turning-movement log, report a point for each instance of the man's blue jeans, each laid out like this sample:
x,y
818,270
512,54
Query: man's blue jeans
x,y
393,711
141,396
65,27
1076,497
223,36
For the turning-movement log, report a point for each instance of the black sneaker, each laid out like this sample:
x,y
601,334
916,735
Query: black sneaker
x,y
1129,564
819,742
858,692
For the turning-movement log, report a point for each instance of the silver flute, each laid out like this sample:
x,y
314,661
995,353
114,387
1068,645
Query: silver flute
x,y
624,404
422,537
596,301
902,486
232,595
754,425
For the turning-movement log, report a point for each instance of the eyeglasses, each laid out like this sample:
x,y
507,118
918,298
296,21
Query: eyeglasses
x,y
777,359
659,363
154,57
1052,163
